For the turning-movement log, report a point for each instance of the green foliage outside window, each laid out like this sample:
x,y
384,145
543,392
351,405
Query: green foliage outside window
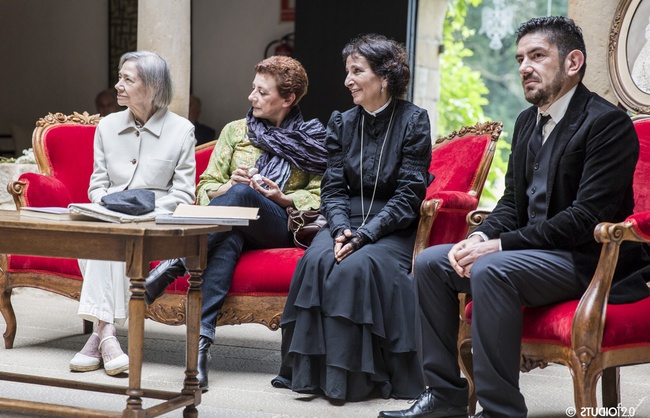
x,y
463,94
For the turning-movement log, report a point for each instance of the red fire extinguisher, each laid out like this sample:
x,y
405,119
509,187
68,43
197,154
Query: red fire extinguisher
x,y
283,46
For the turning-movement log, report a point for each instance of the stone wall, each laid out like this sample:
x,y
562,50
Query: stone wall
x,y
595,18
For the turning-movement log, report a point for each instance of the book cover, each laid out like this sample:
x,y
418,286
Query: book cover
x,y
52,213
181,220
212,215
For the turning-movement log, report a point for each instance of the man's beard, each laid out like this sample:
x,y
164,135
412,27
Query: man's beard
x,y
544,96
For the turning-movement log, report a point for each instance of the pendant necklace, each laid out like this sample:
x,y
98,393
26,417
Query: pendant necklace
x,y
364,216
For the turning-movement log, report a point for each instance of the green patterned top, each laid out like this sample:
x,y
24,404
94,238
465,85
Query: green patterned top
x,y
232,149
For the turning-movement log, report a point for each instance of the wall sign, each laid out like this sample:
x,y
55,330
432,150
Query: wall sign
x,y
287,10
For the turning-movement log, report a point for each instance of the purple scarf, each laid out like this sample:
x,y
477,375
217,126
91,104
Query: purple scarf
x,y
293,142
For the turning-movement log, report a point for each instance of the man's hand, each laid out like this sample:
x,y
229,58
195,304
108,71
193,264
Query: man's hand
x,y
463,255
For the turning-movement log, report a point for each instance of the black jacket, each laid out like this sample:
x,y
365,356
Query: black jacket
x,y
589,181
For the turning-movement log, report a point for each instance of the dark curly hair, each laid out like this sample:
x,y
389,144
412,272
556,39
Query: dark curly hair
x,y
387,58
560,31
289,75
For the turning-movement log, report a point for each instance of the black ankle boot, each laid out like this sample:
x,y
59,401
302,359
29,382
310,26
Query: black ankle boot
x,y
162,276
204,362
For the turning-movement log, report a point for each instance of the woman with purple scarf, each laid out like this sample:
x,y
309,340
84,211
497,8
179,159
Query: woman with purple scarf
x,y
288,154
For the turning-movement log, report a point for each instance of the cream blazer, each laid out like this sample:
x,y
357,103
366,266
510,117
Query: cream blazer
x,y
158,156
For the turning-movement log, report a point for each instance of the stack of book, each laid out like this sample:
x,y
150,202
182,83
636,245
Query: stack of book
x,y
52,213
83,212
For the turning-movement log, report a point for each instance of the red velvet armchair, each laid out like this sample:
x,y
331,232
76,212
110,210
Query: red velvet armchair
x,y
589,336
63,147
461,162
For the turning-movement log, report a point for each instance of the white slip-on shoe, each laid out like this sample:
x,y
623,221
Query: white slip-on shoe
x,y
109,347
84,362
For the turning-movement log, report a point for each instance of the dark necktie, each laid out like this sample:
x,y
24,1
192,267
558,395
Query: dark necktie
x,y
538,135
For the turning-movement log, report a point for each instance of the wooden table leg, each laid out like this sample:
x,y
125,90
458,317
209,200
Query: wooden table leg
x,y
193,325
137,268
136,348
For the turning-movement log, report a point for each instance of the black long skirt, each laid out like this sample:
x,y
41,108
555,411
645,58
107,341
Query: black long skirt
x,y
348,329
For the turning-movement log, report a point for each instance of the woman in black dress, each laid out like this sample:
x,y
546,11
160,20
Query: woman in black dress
x,y
348,328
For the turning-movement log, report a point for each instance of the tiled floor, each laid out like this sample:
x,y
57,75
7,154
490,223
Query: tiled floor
x,y
245,359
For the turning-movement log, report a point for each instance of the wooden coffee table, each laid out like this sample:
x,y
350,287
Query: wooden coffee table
x,y
137,245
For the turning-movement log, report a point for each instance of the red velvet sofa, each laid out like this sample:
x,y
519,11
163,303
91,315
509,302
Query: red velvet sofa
x,y
63,146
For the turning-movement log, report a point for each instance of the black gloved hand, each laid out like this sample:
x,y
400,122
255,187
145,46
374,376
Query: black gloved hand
x,y
358,240
338,240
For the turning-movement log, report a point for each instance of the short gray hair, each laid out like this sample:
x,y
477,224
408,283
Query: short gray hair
x,y
155,75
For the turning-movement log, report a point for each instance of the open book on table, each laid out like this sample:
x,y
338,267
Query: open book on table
x,y
210,215
97,211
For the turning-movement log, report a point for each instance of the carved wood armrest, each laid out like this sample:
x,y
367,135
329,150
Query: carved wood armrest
x,y
589,319
17,190
464,299
36,189
428,210
476,217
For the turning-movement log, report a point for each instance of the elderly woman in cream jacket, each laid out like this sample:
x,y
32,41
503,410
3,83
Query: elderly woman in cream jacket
x,y
145,146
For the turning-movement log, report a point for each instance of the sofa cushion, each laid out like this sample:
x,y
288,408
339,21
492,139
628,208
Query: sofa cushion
x,y
253,275
265,271
626,324
66,267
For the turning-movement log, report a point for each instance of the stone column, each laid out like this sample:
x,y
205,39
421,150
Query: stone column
x,y
426,75
164,27
595,19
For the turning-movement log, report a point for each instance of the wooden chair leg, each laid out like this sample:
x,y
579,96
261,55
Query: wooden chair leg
x,y
465,357
88,327
466,362
584,387
611,387
9,315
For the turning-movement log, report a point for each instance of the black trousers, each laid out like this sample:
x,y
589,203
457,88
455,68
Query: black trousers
x,y
500,284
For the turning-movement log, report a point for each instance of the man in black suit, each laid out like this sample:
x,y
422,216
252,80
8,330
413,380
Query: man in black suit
x,y
566,174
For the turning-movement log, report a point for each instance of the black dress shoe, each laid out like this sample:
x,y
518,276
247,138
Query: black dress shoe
x,y
204,362
425,406
162,276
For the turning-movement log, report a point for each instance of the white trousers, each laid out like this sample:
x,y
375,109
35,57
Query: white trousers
x,y
105,291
